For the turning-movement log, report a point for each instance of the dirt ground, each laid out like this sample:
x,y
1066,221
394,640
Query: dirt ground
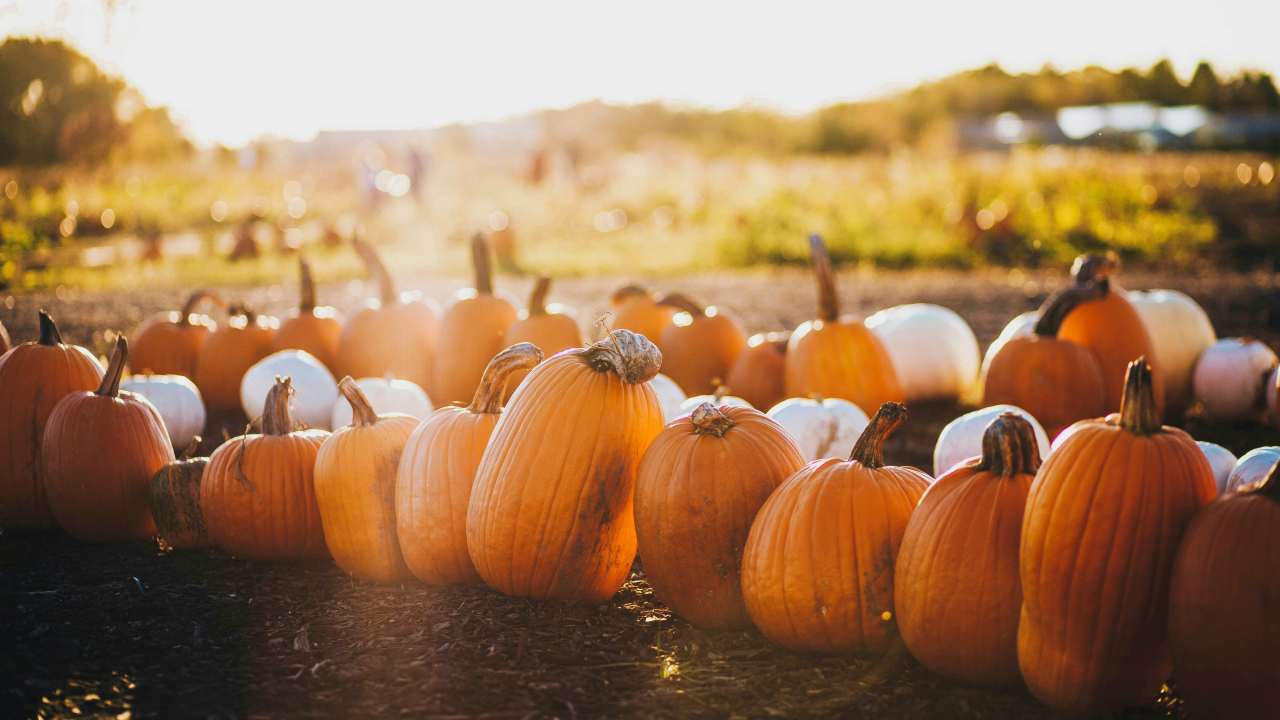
x,y
131,631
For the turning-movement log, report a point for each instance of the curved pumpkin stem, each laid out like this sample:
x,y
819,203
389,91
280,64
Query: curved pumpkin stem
x,y
1096,269
194,299
497,374
1009,447
307,287
828,301
1270,486
629,291
683,302
538,298
482,263
1138,412
362,413
629,355
240,309
192,448
869,450
110,386
1060,304
708,419
276,418
49,334
377,270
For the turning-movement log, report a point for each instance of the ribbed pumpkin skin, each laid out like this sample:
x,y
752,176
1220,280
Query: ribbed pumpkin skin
x,y
758,374
174,496
840,359
551,509
226,355
696,495
316,332
698,355
1113,330
1058,382
392,339
166,346
472,332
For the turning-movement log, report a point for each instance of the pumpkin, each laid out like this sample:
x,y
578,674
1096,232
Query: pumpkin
x,y
1230,379
1251,468
719,397
956,585
176,399
438,467
837,357
1221,460
698,488
34,376
1103,520
638,310
1222,628
1021,326
1272,391
315,390
258,495
817,570
551,510
356,489
5,342
100,451
227,355
950,367
670,397
1180,330
388,396
699,346
169,344
174,498
314,330
552,328
396,334
962,438
1057,381
820,427
759,375
1111,328
472,331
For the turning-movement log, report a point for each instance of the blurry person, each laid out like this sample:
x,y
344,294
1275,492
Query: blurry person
x,y
419,164
246,244
537,169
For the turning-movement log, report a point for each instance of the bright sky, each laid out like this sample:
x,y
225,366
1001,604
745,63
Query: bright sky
x,y
233,70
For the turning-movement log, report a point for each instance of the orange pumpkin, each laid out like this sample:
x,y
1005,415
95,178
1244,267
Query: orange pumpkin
x,y
759,375
228,354
315,330
393,336
551,331
551,510
699,346
258,496
356,489
34,376
699,487
1057,381
1222,624
838,357
1103,520
100,451
956,582
472,332
817,571
169,344
438,467
638,310
174,497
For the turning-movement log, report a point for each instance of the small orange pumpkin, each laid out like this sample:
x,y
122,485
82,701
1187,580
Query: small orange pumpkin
x,y
169,344
315,330
438,467
699,346
759,375
472,332
551,331
174,497
638,310
228,354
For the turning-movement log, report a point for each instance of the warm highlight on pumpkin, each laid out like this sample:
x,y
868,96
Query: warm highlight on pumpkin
x,y
759,375
550,330
315,330
472,331
228,353
169,344
699,346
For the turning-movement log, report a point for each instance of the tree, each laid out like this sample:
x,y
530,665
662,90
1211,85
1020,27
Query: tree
x,y
1163,85
1204,88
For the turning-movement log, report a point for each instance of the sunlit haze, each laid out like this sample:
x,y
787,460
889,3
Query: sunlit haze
x,y
237,69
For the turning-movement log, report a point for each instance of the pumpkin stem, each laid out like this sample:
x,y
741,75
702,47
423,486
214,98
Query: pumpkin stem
x,y
1138,404
362,413
869,450
497,374
482,263
1096,269
191,449
110,386
194,299
720,391
632,356
1009,447
538,298
241,309
708,419
828,302
276,418
629,291
1060,304
307,286
377,270
683,302
49,334
1270,486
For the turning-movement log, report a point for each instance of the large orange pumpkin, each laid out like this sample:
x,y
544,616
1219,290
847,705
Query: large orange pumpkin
x,y
1222,607
169,344
638,310
174,496
552,330
551,510
838,357
956,580
699,346
438,467
1103,520
699,487
817,571
1057,381
100,451
315,330
393,336
759,375
258,495
34,376
229,352
356,489
472,332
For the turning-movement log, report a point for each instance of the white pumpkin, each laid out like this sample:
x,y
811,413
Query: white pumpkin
x,y
670,396
1022,326
1221,460
691,403
314,389
1229,377
1180,330
1253,467
821,428
178,401
932,348
387,395
961,439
